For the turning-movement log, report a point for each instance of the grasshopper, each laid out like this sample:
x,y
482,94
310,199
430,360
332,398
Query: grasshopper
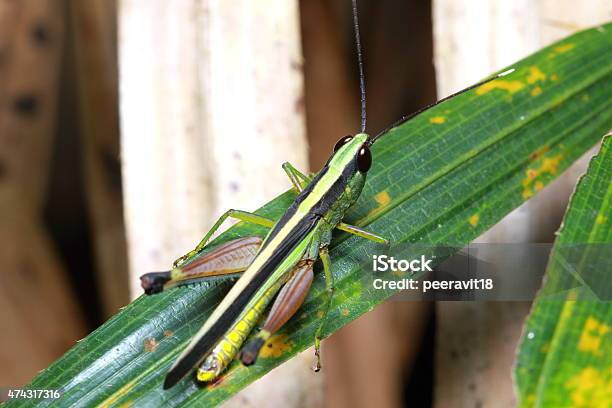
x,y
279,268
282,263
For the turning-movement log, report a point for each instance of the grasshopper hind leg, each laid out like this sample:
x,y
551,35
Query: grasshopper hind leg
x,y
228,259
288,301
153,282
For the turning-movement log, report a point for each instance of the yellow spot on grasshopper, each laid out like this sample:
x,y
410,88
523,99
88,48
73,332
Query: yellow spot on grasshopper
x,y
535,75
590,388
474,220
234,337
592,335
276,346
228,348
242,326
510,86
560,49
205,376
600,219
437,120
150,344
536,91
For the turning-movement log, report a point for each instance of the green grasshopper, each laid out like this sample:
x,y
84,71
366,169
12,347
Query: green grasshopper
x,y
282,263
278,268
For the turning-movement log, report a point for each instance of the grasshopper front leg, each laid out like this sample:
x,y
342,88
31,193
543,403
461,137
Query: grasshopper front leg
x,y
300,181
351,229
297,178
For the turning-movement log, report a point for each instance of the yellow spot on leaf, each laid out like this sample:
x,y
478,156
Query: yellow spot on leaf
x,y
320,314
383,198
276,346
545,348
560,49
150,344
530,175
600,219
554,77
437,120
592,335
590,388
535,75
127,404
510,86
168,333
536,91
585,98
550,165
474,220
345,312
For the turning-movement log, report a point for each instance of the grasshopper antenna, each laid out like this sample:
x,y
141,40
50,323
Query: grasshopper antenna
x,y
360,62
431,105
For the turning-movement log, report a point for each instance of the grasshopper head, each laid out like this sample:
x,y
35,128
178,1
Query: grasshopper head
x,y
356,147
352,159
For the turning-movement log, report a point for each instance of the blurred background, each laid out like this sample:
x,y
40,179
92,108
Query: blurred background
x,y
128,126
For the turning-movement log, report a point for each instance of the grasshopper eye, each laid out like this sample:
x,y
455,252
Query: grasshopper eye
x,y
364,159
342,142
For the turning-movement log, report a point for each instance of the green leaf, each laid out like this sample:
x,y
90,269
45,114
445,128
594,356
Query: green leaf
x,y
443,177
565,355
